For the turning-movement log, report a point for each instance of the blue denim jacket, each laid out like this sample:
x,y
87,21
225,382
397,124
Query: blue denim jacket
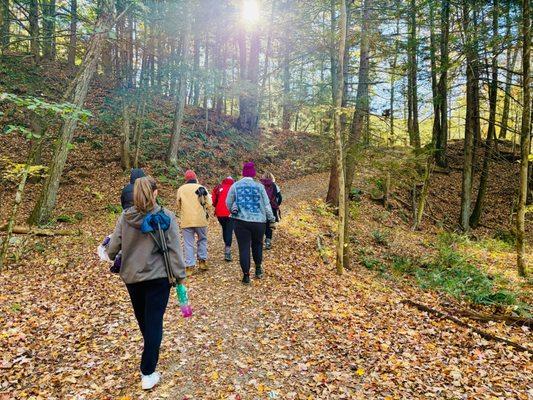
x,y
248,201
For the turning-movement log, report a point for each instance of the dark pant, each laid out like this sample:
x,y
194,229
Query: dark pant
x,y
249,235
149,300
268,230
227,229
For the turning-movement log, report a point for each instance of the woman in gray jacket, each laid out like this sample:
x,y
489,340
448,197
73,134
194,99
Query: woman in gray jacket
x,y
144,273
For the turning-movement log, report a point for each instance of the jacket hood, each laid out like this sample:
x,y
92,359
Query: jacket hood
x,y
228,181
267,182
136,218
135,174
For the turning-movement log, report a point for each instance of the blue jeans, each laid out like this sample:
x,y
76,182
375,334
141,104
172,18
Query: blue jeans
x,y
200,247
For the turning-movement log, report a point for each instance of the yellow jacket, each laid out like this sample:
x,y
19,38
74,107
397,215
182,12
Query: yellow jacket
x,y
192,214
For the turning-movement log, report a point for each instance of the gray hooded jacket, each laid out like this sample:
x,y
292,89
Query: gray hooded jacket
x,y
140,260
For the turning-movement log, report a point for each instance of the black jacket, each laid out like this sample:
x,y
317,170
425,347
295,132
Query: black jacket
x,y
126,198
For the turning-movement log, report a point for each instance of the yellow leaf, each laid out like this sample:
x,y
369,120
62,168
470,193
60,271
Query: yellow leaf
x,y
215,376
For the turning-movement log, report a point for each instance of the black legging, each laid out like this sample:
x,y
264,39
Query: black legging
x,y
249,235
227,229
149,300
268,230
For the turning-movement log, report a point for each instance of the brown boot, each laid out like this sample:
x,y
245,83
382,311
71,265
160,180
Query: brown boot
x,y
202,265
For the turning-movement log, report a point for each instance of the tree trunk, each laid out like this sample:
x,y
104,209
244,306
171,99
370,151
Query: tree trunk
x,y
34,29
73,32
125,160
47,200
491,133
525,138
362,99
470,123
49,17
332,197
181,98
339,141
413,126
441,140
248,100
6,22
138,130
394,64
287,103
196,71
475,84
510,62
419,213
434,82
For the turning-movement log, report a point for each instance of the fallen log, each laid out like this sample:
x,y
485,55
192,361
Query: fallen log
x,y
30,230
507,319
483,334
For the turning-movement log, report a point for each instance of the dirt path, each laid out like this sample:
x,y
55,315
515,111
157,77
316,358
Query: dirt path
x,y
304,333
301,333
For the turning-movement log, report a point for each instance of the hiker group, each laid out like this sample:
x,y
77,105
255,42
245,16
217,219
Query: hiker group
x,y
146,245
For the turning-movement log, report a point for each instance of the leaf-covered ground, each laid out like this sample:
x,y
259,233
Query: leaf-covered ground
x,y
67,330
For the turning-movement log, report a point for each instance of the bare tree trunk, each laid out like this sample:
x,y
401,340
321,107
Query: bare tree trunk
x,y
125,160
393,72
5,25
333,186
196,71
73,32
181,98
248,100
49,17
419,212
47,199
138,131
491,133
413,128
441,143
362,99
339,141
34,29
525,139
287,103
470,123
510,62
434,82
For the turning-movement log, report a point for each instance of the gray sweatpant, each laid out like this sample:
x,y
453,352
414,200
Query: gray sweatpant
x,y
189,237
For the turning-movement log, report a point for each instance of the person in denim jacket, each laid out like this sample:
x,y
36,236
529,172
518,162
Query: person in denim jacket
x,y
250,208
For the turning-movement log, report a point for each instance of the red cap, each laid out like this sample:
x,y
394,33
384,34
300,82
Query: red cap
x,y
190,175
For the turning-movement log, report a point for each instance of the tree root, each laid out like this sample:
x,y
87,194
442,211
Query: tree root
x,y
483,334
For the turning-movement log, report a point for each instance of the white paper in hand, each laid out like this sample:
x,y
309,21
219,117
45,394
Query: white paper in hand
x,y
102,253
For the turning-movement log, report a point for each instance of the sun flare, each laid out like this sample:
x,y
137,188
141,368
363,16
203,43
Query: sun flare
x,y
250,12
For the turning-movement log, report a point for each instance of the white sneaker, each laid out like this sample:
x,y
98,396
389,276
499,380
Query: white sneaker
x,y
149,381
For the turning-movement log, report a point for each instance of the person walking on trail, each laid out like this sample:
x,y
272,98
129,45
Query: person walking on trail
x,y
274,195
219,195
126,198
193,202
145,272
250,208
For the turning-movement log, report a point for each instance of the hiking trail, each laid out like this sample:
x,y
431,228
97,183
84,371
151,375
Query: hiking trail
x,y
302,332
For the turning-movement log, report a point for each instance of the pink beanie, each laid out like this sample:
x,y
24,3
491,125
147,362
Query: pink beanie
x,y
248,170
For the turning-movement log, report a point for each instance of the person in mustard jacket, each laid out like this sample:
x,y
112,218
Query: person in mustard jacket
x,y
193,203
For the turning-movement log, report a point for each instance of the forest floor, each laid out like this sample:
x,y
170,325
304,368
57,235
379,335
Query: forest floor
x,y
68,331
